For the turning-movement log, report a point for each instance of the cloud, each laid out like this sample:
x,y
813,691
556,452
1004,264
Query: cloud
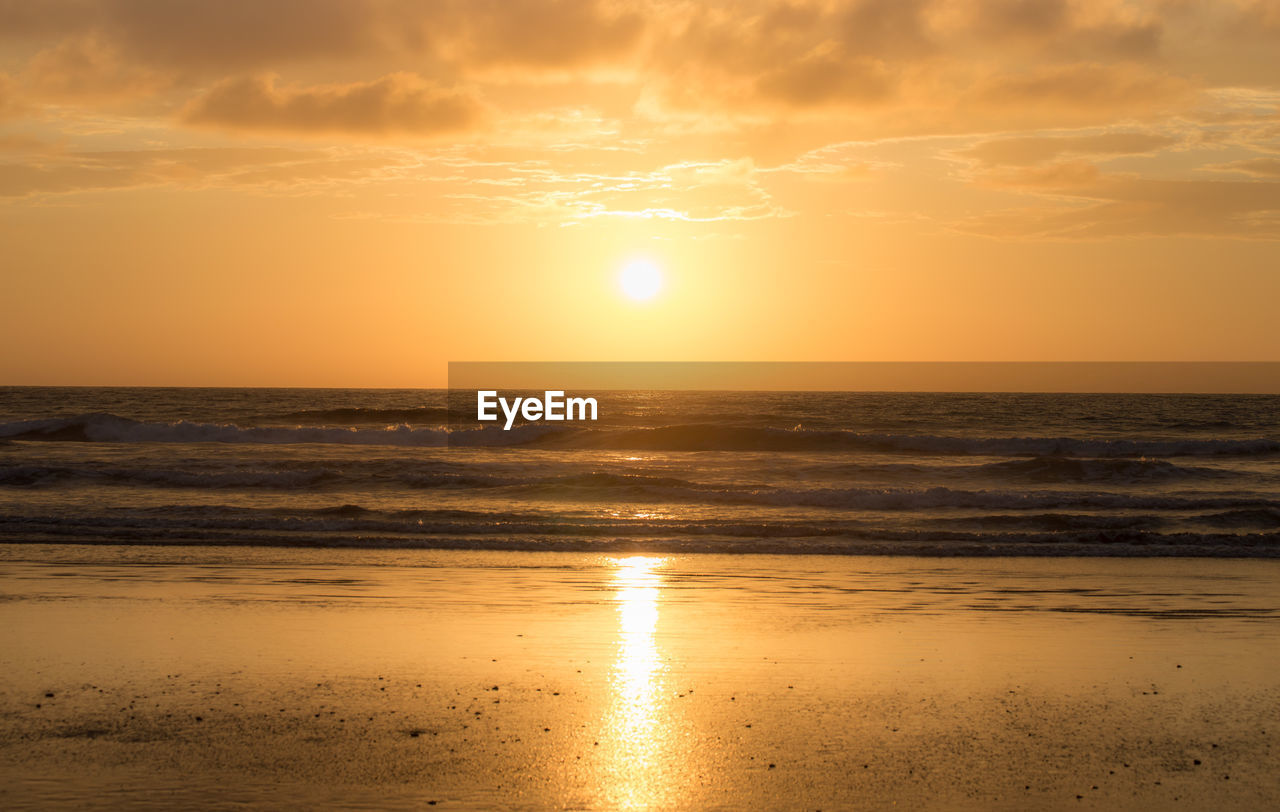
x,y
892,66
400,103
662,83
1071,30
914,67
1140,207
1054,177
9,104
827,78
89,68
789,55
260,168
540,33
228,34
20,180
1026,150
1261,15
688,192
706,191
1083,87
1260,167
25,144
202,39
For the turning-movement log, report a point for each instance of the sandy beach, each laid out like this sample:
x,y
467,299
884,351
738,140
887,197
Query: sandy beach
x,y
150,677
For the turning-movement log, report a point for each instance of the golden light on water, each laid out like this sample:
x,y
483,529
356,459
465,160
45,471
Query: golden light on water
x,y
637,670
637,727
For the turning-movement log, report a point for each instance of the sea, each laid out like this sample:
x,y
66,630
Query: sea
x,y
806,473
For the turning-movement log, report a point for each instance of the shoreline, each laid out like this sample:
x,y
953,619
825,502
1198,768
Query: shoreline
x,y
206,680
940,550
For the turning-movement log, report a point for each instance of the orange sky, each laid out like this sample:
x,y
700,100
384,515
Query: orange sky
x,y
355,192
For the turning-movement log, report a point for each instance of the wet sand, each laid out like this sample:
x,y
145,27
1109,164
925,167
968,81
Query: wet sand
x,y
220,677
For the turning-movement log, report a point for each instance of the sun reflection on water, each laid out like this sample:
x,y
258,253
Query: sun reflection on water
x,y
637,727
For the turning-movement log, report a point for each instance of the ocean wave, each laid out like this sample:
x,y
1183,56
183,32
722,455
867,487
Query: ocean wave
x,y
350,517
702,437
1264,517
637,489
436,415
871,541
1055,522
209,521
38,476
606,486
1204,425
415,475
640,489
105,427
592,480
906,499
1111,469
110,428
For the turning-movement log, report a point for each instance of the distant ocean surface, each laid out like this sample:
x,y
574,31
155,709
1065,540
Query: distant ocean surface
x,y
730,472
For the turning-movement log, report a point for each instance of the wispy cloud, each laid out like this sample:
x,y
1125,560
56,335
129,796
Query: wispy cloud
x,y
397,104
1137,207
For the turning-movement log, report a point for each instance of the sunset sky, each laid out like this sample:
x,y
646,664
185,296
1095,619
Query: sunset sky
x,y
355,192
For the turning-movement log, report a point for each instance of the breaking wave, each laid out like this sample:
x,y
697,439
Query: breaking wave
x,y
426,414
348,530
1112,469
110,428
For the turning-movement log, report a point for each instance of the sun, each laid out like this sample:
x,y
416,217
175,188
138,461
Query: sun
x,y
640,280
